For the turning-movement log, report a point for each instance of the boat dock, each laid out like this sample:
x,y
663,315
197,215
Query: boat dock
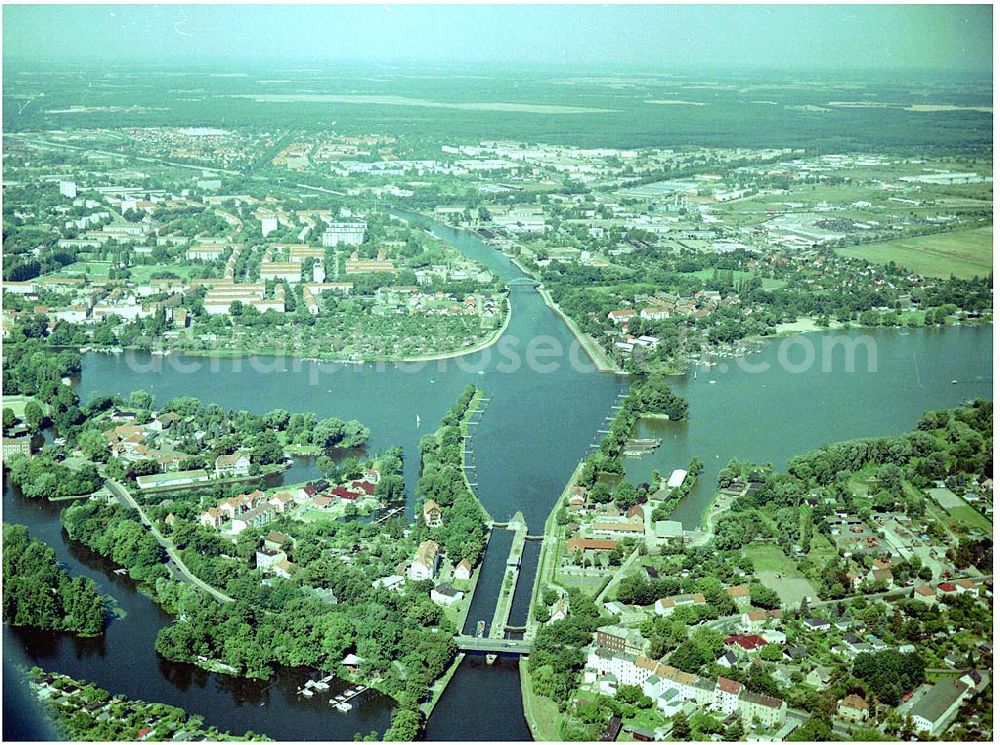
x,y
342,702
636,448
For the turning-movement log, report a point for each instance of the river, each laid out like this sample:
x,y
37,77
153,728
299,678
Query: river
x,y
546,404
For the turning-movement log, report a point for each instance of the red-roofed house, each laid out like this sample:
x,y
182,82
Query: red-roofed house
x,y
590,544
947,588
748,643
726,697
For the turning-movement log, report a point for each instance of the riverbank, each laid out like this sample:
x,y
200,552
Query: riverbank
x,y
548,554
542,714
598,356
487,343
463,426
229,353
439,686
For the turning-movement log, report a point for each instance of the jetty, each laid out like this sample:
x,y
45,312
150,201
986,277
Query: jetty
x,y
343,701
638,447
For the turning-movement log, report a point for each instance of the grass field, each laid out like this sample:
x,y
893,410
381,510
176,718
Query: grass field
x,y
820,549
767,282
94,269
17,404
588,585
541,713
777,571
964,253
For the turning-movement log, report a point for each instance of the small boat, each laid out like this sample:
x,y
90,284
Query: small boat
x,y
954,382
342,707
418,420
308,692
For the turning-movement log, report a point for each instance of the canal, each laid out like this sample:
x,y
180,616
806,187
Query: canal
x,y
546,405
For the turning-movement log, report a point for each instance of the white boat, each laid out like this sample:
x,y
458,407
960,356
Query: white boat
x,y
418,420
308,692
342,706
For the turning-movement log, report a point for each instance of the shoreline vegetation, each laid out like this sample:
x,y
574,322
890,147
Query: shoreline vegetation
x,y
38,593
598,356
225,353
117,717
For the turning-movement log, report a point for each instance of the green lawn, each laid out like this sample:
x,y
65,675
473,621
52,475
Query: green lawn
x,y
768,283
92,269
964,253
777,571
970,517
17,403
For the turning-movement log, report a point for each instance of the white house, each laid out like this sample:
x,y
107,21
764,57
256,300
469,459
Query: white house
x,y
425,563
445,594
234,464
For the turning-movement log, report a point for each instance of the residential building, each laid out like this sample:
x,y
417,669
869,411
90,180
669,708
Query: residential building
x,y
740,595
726,697
266,558
16,446
761,710
590,544
936,709
445,594
234,464
346,233
173,479
253,519
425,563
432,514
620,639
853,708
666,606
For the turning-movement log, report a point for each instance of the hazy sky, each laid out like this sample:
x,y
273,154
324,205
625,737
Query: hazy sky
x,y
620,37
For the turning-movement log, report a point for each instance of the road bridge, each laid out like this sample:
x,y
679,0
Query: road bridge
x,y
493,646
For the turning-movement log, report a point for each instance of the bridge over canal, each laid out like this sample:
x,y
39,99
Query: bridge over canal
x,y
493,646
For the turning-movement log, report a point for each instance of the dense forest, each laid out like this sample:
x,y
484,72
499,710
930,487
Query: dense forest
x,y
39,593
42,476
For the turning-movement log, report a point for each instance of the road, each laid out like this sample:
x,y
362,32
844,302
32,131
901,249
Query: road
x,y
128,156
125,497
618,577
897,592
496,646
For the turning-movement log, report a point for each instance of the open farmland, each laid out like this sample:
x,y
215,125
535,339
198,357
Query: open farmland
x,y
964,253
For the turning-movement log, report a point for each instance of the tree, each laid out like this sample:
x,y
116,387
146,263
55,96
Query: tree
x,y
93,445
33,416
9,419
681,729
141,399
